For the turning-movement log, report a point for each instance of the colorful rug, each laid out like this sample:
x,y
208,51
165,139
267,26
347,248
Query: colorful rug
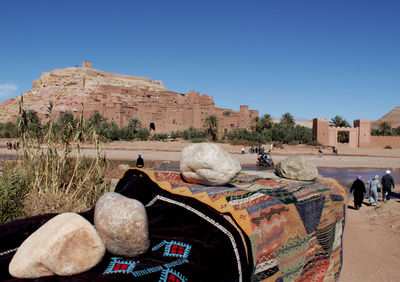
x,y
295,228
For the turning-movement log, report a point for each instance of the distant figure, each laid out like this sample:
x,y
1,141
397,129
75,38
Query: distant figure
x,y
334,151
387,184
320,153
250,149
243,150
271,147
374,185
139,161
359,189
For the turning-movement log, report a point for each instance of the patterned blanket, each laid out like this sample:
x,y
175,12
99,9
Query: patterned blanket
x,y
255,228
295,228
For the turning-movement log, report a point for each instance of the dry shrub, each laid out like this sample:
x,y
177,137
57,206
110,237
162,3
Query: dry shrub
x,y
13,188
51,180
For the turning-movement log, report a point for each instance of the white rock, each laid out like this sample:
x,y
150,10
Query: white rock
x,y
122,224
208,164
296,168
65,245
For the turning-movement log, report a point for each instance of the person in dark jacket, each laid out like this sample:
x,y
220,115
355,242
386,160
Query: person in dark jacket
x,y
387,184
359,189
139,161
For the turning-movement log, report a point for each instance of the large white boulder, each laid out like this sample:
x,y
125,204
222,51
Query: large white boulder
x,y
208,164
122,224
65,245
296,168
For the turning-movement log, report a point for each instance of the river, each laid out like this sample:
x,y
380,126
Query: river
x,y
345,176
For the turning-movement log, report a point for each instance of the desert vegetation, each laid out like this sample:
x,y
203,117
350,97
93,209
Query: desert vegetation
x,y
46,178
385,129
263,130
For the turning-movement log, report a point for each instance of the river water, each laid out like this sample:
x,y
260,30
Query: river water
x,y
345,176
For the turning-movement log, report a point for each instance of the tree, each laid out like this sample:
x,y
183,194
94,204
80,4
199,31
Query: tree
x,y
265,122
135,124
288,119
110,131
9,130
126,133
211,125
385,129
34,126
95,121
339,121
143,133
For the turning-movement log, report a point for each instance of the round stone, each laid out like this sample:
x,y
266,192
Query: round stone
x,y
122,224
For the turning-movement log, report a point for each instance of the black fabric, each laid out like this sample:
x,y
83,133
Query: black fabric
x,y
211,254
359,189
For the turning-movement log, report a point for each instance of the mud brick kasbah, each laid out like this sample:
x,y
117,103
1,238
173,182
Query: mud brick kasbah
x,y
120,98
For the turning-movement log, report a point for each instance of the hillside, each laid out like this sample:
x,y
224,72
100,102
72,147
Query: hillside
x,y
120,98
393,118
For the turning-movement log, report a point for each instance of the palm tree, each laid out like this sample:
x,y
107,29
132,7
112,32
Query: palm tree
x,y
288,119
211,124
95,121
265,122
338,121
135,124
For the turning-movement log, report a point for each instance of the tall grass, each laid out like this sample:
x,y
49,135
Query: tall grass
x,y
48,179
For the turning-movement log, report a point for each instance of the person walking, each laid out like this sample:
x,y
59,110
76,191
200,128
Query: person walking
x,y
140,161
242,150
359,189
387,184
374,185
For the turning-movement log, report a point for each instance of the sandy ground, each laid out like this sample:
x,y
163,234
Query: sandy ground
x,y
372,234
371,246
347,157
170,151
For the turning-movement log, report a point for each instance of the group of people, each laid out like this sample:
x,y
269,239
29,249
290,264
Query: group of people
x,y
258,150
385,185
12,145
334,151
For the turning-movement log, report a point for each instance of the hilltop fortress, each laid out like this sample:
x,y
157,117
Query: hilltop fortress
x,y
120,98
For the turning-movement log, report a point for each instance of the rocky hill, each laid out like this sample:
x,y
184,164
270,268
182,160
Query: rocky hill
x,y
120,98
393,118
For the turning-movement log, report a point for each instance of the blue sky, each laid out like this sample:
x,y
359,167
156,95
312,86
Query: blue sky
x,y
311,58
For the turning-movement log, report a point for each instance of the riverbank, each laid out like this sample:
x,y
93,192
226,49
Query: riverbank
x,y
171,150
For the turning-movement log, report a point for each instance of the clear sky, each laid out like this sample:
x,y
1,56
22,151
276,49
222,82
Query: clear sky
x,y
312,58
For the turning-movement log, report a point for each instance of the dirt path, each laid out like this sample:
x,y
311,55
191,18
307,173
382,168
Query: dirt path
x,y
371,246
170,151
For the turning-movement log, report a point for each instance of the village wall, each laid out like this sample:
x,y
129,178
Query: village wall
x,y
383,141
359,135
